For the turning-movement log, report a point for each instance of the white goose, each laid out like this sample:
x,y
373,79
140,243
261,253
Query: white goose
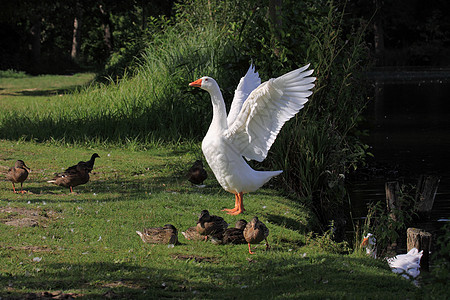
x,y
257,113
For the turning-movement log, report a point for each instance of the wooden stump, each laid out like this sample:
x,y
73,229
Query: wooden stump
x,y
420,239
426,192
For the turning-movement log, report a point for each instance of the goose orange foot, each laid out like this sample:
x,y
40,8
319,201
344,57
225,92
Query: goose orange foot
x,y
235,206
238,205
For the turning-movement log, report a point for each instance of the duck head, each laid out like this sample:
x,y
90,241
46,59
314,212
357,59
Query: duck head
x,y
254,221
170,227
204,216
240,224
20,164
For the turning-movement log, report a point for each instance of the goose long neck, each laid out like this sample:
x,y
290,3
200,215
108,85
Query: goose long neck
x,y
219,120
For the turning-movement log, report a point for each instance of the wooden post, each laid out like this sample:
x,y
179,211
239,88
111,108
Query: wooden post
x,y
426,192
420,239
392,202
392,191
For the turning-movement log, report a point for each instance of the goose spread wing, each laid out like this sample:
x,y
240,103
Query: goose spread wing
x,y
246,85
266,110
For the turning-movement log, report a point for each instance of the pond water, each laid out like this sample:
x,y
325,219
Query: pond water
x,y
408,119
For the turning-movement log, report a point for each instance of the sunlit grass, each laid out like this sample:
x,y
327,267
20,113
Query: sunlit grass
x,y
85,243
29,95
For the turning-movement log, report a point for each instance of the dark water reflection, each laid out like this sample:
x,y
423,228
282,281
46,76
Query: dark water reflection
x,y
409,125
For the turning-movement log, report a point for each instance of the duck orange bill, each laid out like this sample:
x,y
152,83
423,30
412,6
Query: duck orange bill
x,y
197,83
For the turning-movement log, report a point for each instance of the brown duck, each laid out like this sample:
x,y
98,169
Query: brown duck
x,y
72,177
255,232
18,173
87,165
235,235
211,225
75,175
160,235
197,174
192,234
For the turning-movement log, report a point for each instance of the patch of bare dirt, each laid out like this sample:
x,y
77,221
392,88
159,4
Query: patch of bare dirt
x,y
122,283
26,217
196,258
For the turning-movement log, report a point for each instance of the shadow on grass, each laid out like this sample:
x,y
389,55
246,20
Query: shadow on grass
x,y
97,279
164,120
259,277
286,222
139,187
41,93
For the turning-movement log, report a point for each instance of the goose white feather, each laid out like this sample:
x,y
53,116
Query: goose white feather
x,y
246,85
257,114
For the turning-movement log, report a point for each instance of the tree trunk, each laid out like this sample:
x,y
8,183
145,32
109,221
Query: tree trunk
x,y
392,202
76,38
392,191
36,42
107,29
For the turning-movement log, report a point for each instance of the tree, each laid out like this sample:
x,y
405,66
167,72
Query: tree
x,y
107,28
76,40
35,31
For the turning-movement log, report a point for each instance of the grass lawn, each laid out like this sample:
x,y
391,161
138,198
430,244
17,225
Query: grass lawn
x,y
85,244
22,92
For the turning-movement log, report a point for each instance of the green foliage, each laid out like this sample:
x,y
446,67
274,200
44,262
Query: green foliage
x,y
320,145
388,226
326,242
12,74
125,59
436,285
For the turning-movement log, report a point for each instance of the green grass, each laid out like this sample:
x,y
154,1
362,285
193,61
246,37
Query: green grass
x,y
86,243
21,92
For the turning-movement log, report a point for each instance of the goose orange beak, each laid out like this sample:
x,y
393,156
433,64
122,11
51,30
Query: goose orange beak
x,y
365,242
197,83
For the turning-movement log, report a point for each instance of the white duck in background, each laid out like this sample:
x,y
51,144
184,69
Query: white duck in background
x,y
370,243
257,113
408,265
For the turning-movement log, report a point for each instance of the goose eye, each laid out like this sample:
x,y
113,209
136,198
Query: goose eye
x,y
206,79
